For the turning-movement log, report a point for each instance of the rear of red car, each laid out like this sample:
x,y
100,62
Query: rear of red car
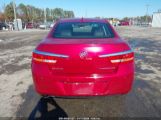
x,y
124,23
82,57
29,26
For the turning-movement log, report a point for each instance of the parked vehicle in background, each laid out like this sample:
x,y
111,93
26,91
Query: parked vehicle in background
x,y
44,26
124,23
11,26
82,57
29,25
3,26
52,25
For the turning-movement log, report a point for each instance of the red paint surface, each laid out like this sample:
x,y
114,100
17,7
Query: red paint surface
x,y
89,76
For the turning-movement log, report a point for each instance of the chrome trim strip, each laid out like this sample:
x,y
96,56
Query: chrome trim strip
x,y
115,54
50,54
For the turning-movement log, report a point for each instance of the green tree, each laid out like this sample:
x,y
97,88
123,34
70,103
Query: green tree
x,y
22,12
30,13
9,13
126,19
58,13
68,14
2,17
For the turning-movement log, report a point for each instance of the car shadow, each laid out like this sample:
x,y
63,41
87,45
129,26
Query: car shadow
x,y
42,108
39,108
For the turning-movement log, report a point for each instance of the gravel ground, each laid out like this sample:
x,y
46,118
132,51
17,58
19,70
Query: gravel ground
x,y
15,75
18,98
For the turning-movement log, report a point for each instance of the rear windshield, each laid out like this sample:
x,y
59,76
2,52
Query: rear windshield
x,y
83,30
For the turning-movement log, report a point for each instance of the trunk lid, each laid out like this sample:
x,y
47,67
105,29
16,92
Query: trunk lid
x,y
83,55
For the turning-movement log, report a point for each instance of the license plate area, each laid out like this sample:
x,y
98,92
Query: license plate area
x,y
93,88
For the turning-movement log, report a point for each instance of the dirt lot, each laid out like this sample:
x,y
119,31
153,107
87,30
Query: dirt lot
x,y
18,98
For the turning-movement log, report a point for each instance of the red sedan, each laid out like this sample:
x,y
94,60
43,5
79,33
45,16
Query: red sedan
x,y
82,57
29,26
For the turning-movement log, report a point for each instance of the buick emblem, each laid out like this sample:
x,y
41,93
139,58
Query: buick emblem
x,y
83,54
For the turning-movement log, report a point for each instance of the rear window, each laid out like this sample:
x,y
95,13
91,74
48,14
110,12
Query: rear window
x,y
83,30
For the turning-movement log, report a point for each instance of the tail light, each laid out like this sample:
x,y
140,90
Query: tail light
x,y
123,58
45,57
120,57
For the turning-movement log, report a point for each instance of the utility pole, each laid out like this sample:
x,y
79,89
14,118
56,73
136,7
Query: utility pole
x,y
45,17
147,10
3,10
15,17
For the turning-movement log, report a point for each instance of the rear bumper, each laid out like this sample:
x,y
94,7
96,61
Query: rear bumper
x,y
83,85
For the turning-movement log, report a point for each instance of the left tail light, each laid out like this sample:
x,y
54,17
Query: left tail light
x,y
45,57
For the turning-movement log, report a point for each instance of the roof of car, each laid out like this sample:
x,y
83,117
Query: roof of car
x,y
82,20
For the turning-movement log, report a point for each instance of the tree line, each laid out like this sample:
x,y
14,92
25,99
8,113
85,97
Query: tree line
x,y
30,13
140,19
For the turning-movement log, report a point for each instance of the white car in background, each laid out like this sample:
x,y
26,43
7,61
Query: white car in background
x,y
44,26
51,25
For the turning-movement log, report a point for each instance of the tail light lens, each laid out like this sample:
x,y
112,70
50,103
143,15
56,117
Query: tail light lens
x,y
43,58
122,58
